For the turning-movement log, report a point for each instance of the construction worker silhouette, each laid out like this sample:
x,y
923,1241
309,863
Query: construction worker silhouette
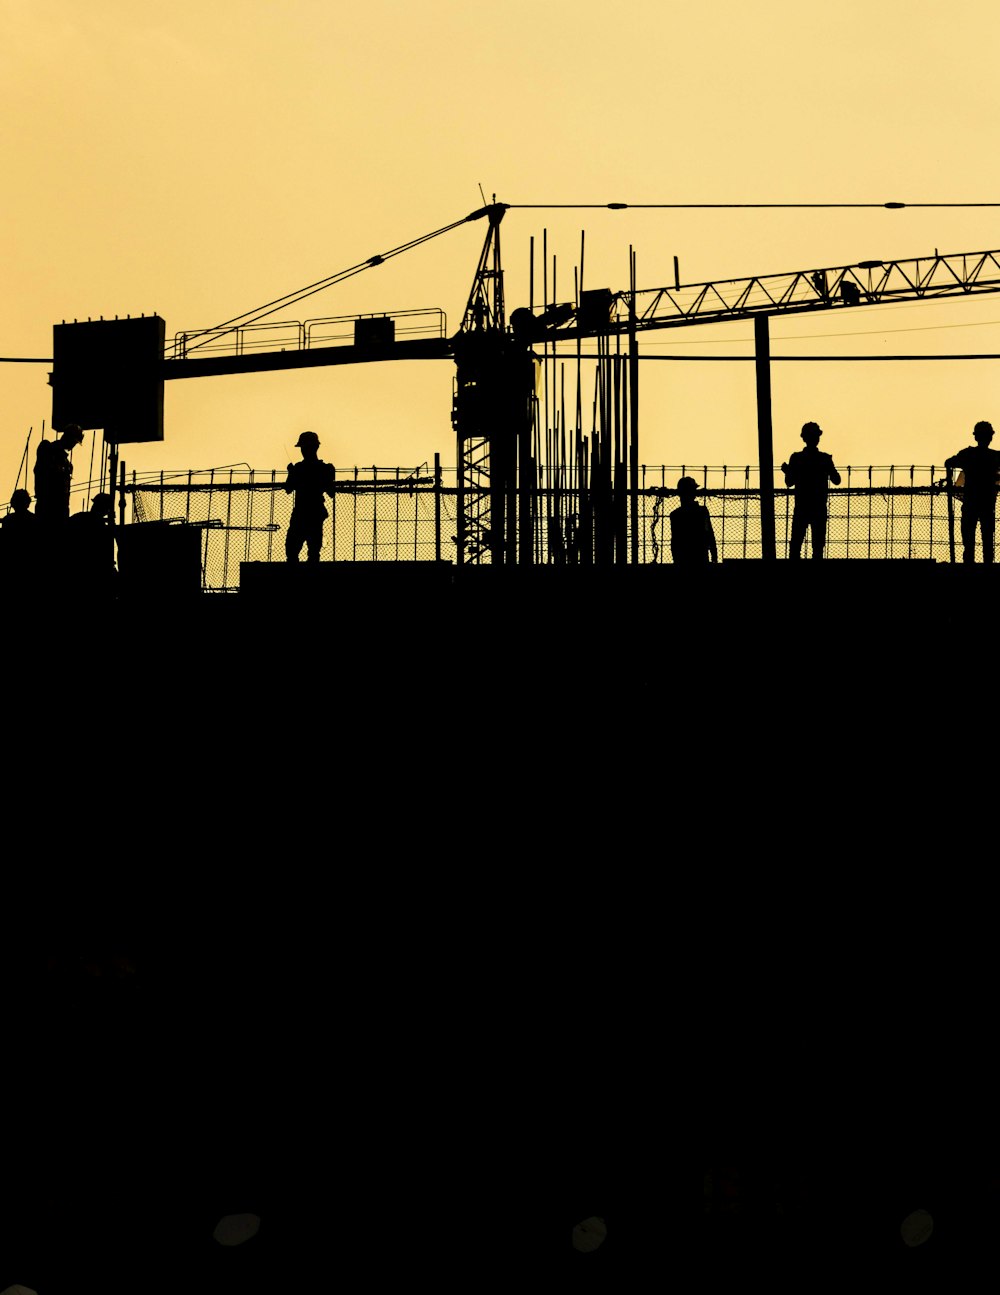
x,y
54,475
308,481
19,543
19,526
692,538
810,472
979,466
91,551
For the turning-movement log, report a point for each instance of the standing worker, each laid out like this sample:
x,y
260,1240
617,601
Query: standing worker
x,y
19,543
54,475
980,466
692,538
810,472
308,481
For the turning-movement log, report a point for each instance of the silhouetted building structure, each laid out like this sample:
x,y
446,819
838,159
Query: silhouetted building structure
x,y
980,467
54,476
692,537
309,481
810,472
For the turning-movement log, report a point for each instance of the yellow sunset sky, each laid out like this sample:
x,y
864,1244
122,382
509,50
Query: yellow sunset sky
x,y
198,160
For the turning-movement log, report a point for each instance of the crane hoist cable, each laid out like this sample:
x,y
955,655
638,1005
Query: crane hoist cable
x,y
291,298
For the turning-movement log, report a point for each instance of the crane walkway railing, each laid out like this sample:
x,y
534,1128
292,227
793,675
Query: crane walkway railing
x,y
292,335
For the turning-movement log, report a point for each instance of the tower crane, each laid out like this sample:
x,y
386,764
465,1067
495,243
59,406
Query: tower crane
x,y
109,374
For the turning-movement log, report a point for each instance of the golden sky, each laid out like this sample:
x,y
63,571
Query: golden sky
x,y
197,160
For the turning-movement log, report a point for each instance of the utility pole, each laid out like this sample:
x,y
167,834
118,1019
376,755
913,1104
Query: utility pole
x,y
765,437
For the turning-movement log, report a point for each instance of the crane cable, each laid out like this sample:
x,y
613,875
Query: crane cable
x,y
731,206
291,298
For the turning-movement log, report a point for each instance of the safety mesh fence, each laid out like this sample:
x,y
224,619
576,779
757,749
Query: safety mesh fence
x,y
380,515
399,515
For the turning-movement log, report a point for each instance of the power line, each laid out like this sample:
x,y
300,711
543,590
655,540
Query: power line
x,y
793,359
732,206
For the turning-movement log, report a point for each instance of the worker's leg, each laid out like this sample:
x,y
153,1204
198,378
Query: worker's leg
x,y
798,533
819,533
293,542
987,521
969,519
314,542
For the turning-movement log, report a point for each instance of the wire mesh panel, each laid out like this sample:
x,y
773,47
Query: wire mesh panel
x,y
401,515
376,515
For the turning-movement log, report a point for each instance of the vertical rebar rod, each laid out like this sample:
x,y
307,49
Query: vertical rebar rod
x,y
614,435
633,350
546,349
563,483
644,513
437,507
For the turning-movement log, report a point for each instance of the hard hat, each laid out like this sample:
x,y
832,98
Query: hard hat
x,y
308,438
687,485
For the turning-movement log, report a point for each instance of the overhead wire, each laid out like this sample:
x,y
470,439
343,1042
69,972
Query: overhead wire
x,y
806,359
292,298
731,206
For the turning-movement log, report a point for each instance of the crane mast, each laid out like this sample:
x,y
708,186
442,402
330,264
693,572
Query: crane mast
x,y
492,414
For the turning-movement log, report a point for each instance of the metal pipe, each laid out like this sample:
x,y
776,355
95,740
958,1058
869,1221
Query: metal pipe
x,y
765,437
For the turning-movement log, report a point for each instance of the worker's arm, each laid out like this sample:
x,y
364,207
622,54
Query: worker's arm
x,y
713,551
290,480
834,474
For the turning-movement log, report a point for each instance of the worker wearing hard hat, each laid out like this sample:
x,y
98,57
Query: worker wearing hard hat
x,y
810,472
980,471
54,475
692,538
308,481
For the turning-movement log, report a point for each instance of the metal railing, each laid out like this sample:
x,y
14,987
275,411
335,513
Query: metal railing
x,y
410,514
293,335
